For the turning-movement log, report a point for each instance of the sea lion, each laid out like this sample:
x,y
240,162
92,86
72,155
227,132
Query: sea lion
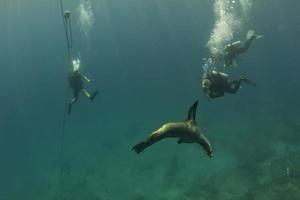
x,y
187,132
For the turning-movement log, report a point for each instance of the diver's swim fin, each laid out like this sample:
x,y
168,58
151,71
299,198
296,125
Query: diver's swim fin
x,y
249,82
251,34
94,95
259,36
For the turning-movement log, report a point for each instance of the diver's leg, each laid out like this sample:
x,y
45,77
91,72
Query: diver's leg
x,y
233,86
73,100
228,59
246,46
69,108
86,93
93,96
216,95
75,96
243,78
90,96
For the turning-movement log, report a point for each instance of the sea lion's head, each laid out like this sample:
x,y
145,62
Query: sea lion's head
x,y
204,142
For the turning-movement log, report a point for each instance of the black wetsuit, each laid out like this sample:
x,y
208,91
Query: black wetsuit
x,y
75,82
233,52
75,79
220,85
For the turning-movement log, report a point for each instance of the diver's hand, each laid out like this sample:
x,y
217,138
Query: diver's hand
x,y
208,97
87,79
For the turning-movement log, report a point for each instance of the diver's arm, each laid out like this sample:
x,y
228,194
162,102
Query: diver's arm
x,y
216,94
208,97
208,94
84,77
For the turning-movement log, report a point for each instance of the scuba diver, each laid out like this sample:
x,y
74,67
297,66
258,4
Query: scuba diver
x,y
215,84
75,79
231,51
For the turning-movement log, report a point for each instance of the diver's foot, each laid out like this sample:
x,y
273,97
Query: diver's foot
x,y
92,97
244,78
69,108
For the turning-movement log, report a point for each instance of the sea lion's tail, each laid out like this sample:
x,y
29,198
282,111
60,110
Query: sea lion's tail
x,y
138,148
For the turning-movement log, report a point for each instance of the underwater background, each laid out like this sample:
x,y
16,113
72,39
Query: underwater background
x,y
146,57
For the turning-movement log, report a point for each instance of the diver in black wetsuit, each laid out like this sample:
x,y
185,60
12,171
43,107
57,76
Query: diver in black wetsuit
x,y
215,84
75,79
231,51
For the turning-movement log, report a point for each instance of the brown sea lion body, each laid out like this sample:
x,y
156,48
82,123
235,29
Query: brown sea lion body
x,y
186,132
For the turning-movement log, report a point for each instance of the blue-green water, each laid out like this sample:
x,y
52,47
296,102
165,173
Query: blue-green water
x,y
146,58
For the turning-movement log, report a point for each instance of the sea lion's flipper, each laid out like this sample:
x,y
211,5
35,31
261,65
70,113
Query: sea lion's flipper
x,y
138,148
192,112
154,137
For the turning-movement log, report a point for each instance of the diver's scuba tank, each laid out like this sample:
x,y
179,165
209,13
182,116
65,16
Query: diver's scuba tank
x,y
233,46
236,44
